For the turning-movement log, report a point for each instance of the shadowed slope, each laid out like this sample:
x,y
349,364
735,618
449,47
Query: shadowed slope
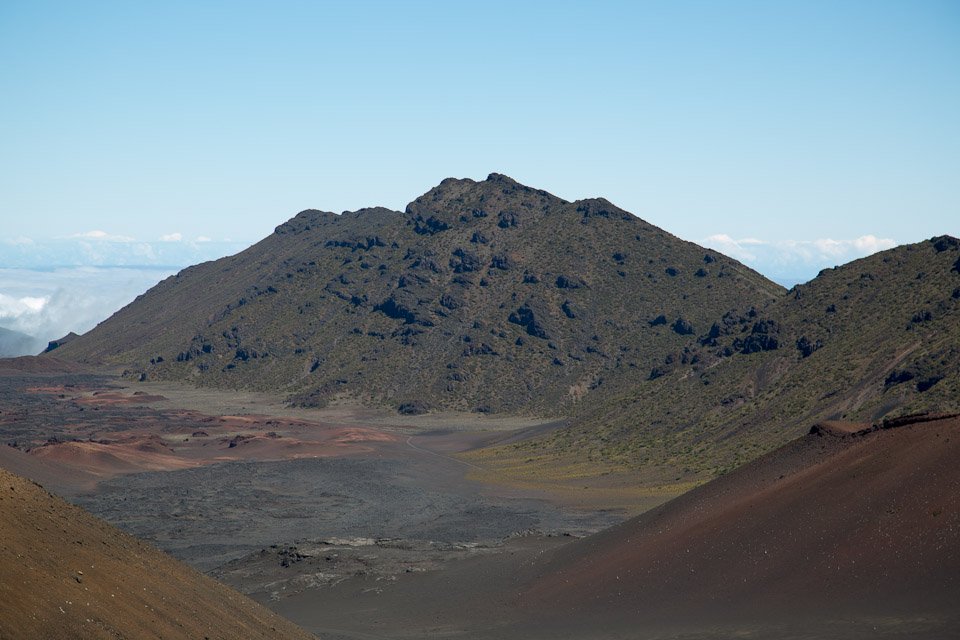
x,y
66,574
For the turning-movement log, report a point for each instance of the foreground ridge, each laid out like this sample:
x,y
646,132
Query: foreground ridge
x,y
67,574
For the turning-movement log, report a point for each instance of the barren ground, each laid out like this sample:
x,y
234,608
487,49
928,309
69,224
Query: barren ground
x,y
278,501
356,523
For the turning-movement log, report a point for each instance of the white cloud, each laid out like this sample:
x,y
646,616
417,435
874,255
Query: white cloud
x,y
46,305
97,250
98,234
12,308
22,241
728,246
51,287
871,244
792,261
204,239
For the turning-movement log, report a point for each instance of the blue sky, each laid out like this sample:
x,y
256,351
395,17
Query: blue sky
x,y
767,129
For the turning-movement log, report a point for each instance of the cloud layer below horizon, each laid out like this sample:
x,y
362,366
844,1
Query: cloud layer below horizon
x,y
49,288
99,248
45,305
792,262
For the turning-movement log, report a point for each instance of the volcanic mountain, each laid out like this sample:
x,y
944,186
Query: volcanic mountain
x,y
481,296
875,338
66,574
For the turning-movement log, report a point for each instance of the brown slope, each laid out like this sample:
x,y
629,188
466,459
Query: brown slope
x,y
66,574
830,527
65,480
488,296
32,365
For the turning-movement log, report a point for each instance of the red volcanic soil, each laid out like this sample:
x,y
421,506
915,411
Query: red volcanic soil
x,y
847,523
99,433
56,477
116,397
129,454
66,574
219,440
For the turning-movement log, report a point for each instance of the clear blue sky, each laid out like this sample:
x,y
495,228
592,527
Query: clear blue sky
x,y
778,121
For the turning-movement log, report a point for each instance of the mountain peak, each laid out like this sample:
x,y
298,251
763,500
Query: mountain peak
x,y
305,221
501,178
458,201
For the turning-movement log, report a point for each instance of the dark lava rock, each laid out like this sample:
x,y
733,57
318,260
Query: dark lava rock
x,y
927,383
756,343
945,243
682,327
54,344
898,377
806,347
501,261
414,408
464,261
394,309
526,318
563,282
430,226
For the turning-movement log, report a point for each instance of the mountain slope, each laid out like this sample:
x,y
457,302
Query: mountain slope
x,y
14,343
482,296
839,528
66,574
874,338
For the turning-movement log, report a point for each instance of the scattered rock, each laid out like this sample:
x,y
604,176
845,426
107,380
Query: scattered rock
x,y
682,327
807,347
413,408
945,243
564,282
430,226
464,261
927,383
898,377
525,317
